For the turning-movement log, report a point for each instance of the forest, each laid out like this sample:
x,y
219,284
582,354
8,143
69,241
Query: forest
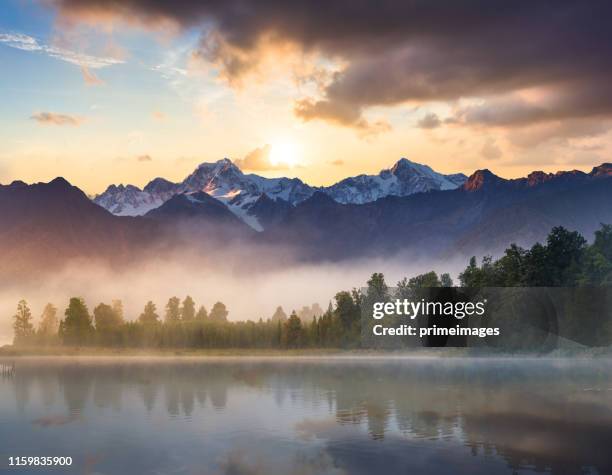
x,y
565,259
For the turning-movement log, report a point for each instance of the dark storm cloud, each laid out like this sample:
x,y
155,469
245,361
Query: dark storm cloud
x,y
398,52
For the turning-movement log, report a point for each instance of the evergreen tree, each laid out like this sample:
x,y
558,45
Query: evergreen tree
x,y
279,315
430,279
219,312
510,268
564,252
202,314
22,324
76,328
536,272
173,312
118,310
445,280
149,315
377,288
106,318
293,333
49,322
347,312
188,309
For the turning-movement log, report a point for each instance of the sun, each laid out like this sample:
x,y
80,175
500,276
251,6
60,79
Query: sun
x,y
284,152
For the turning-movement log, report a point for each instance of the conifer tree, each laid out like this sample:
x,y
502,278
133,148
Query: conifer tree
x,y
22,324
173,312
188,309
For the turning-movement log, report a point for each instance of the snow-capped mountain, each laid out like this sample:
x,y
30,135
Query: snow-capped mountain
x,y
239,191
128,200
403,179
222,180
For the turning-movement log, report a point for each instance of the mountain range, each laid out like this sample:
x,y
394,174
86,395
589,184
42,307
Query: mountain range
x,y
215,209
242,192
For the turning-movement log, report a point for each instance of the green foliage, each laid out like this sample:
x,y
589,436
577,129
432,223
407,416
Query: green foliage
x,y
76,328
430,279
22,324
445,280
188,309
202,314
564,261
49,322
173,312
377,288
293,332
106,318
219,312
149,315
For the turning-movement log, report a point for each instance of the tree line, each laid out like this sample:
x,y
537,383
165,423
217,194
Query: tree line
x,y
565,259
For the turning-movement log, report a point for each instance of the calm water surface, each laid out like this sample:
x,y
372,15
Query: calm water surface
x,y
306,417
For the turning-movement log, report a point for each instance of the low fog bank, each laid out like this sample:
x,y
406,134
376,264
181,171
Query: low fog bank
x,y
251,283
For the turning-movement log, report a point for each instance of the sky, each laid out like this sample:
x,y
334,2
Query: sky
x,y
107,91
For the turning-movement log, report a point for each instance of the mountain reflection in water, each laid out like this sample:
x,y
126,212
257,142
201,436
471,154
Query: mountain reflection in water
x,y
311,416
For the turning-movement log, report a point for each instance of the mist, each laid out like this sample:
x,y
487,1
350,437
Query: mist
x,y
251,282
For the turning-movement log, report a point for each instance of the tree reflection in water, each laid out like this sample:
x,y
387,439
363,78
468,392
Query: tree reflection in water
x,y
331,416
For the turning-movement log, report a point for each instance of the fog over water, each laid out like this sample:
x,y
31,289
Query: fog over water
x,y
307,416
251,282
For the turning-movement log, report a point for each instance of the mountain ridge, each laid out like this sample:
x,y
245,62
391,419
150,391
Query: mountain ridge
x,y
239,191
45,225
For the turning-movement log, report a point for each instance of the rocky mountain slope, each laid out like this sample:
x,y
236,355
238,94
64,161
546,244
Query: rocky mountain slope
x,y
240,192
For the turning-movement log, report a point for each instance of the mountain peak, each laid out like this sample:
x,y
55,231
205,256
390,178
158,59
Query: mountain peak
x,y
18,184
605,169
537,177
481,179
404,164
60,182
320,198
224,162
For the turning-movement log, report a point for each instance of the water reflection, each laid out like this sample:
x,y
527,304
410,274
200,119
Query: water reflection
x,y
312,416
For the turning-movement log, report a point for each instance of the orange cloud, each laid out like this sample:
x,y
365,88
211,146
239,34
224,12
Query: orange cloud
x,y
341,113
90,78
258,160
51,118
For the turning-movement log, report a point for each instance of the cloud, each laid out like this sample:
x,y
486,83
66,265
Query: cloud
x,y
344,114
402,52
144,158
90,78
337,163
258,160
559,132
51,118
430,121
85,61
490,150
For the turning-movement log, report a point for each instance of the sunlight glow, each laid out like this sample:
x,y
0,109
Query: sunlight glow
x,y
284,152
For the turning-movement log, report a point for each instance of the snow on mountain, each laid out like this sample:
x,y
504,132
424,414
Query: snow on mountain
x,y
403,179
222,180
239,191
128,200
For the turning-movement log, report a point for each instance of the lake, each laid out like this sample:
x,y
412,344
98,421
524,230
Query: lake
x,y
241,416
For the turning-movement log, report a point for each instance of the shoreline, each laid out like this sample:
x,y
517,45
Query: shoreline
x,y
10,352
